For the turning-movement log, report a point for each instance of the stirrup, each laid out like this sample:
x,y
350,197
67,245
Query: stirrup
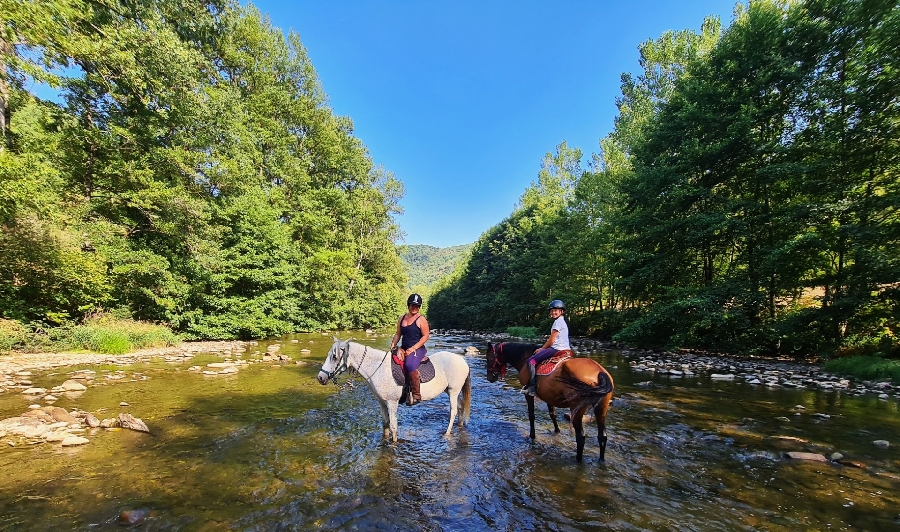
x,y
529,390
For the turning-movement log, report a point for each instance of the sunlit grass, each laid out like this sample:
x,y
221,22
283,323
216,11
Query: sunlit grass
x,y
865,367
522,332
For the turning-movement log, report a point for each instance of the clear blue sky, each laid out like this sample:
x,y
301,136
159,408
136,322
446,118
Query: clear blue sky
x,y
461,100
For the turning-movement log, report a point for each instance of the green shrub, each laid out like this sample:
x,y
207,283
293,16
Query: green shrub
x,y
865,367
108,334
522,332
12,334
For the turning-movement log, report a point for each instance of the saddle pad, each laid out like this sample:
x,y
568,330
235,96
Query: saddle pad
x,y
546,367
426,372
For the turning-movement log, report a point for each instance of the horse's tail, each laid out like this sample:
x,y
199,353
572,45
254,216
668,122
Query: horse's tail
x,y
588,395
466,400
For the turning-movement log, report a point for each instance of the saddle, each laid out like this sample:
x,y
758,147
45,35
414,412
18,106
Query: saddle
x,y
426,372
546,367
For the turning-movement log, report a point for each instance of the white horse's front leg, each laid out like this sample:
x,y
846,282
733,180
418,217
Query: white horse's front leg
x,y
392,416
453,400
385,420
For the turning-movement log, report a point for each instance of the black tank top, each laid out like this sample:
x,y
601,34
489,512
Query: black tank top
x,y
411,333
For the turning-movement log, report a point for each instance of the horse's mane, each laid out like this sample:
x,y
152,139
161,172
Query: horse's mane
x,y
514,352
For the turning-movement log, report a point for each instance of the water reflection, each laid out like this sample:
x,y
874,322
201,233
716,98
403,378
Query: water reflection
x,y
269,448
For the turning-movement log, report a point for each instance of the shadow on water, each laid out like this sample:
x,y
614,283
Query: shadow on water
x,y
271,449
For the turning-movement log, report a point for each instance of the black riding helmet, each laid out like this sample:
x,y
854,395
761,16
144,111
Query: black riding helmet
x,y
414,299
557,303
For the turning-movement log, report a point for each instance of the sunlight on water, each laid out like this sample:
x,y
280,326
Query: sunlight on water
x,y
269,448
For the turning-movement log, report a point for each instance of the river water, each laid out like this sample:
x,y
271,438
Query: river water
x,y
269,448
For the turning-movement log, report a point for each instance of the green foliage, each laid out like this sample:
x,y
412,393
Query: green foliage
x,y
107,334
523,332
12,334
428,264
195,175
865,367
746,201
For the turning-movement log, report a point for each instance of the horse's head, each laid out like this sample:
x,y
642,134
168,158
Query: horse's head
x,y
496,366
336,361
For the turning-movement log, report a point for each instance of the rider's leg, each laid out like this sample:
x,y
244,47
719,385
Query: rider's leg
x,y
412,367
533,362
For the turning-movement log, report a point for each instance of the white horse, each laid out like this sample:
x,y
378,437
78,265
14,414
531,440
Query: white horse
x,y
451,375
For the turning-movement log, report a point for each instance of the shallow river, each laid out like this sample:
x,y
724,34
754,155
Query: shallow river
x,y
269,448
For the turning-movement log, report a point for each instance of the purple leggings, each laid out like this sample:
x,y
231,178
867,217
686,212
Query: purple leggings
x,y
412,360
541,355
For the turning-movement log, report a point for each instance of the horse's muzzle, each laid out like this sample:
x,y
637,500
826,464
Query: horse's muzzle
x,y
322,377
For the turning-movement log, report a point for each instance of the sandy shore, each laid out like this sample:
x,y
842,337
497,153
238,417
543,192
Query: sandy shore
x,y
42,361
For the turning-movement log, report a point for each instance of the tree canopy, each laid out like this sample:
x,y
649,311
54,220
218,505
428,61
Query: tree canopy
x,y
191,173
747,199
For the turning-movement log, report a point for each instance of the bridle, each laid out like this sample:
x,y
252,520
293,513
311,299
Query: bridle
x,y
499,365
344,366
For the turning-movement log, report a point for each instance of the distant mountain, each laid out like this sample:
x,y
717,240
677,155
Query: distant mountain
x,y
427,264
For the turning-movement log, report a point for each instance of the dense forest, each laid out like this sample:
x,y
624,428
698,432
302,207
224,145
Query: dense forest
x,y
191,173
429,264
746,200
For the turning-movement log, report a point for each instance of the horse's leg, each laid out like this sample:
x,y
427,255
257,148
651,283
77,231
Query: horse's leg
x,y
385,420
578,425
392,416
454,397
552,410
600,414
530,399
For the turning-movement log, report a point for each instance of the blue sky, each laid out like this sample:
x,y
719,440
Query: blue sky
x,y
461,100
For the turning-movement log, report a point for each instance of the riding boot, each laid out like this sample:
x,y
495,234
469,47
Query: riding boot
x,y
531,389
414,385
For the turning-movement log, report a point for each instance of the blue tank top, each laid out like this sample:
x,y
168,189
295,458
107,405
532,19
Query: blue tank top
x,y
411,333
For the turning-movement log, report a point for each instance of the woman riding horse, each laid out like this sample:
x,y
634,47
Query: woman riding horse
x,y
558,341
413,328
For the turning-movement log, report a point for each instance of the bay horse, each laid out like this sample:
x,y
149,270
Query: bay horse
x,y
579,384
451,375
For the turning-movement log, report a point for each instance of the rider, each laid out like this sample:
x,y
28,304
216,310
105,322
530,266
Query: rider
x,y
558,341
413,327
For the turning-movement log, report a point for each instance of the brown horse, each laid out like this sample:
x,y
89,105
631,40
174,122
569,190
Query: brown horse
x,y
579,384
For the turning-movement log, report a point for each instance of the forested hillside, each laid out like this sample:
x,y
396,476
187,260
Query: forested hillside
x,y
746,201
427,264
191,173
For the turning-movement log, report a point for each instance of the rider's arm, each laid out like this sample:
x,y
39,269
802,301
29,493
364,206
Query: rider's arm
x,y
396,337
553,334
426,333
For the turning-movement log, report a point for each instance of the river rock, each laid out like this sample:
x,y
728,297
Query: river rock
x,y
60,414
73,386
882,444
35,391
133,517
71,441
91,421
109,423
816,457
130,422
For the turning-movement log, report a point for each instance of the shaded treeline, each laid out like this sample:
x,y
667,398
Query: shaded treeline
x,y
192,173
746,200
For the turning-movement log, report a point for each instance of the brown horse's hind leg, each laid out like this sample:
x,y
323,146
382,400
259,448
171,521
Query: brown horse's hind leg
x,y
578,425
552,410
600,414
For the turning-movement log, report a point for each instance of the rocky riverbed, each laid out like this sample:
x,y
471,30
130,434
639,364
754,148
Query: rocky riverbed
x,y
45,423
